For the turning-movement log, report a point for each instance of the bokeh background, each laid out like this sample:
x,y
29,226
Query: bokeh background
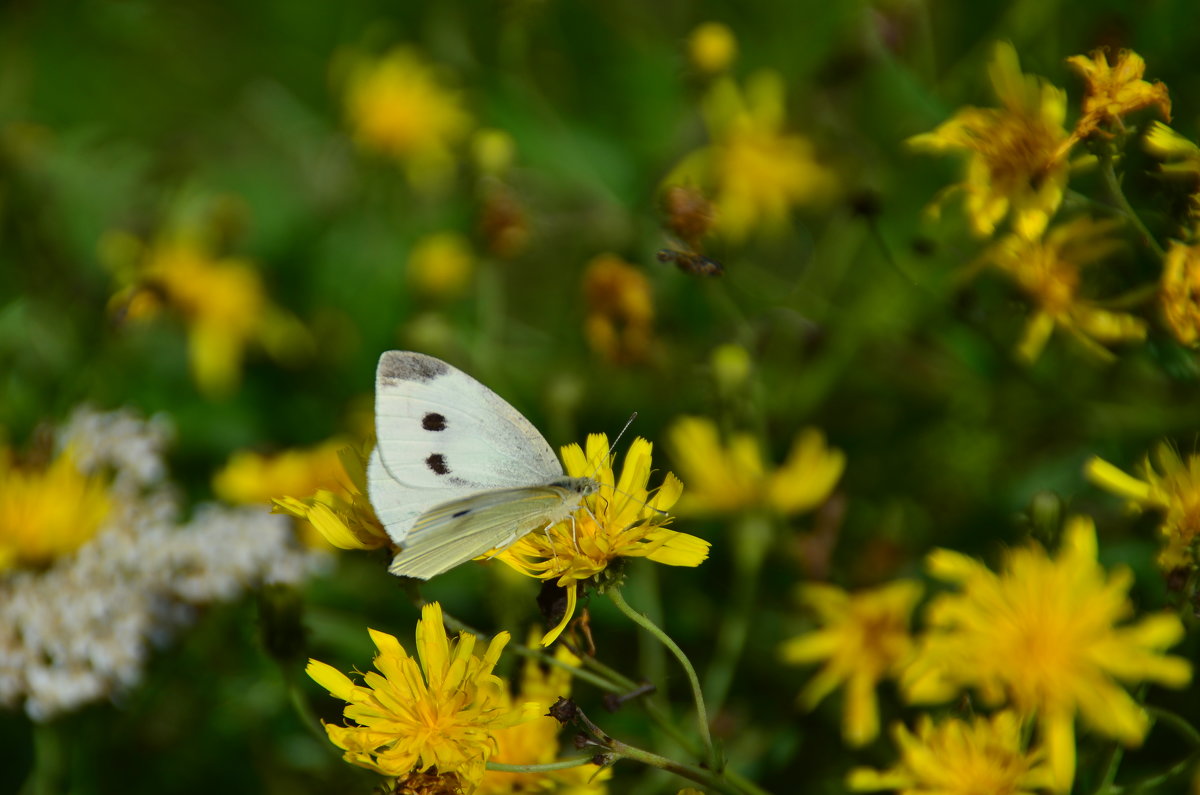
x,y
128,124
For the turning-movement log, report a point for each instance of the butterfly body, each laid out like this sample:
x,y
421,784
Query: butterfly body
x,y
457,471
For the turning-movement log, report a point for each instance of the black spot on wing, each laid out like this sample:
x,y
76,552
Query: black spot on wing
x,y
406,366
437,462
433,422
463,512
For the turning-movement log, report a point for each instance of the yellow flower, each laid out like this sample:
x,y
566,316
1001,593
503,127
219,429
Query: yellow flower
x,y
443,712
957,757
341,513
622,520
1048,271
1017,154
397,106
1167,144
1179,294
440,265
221,300
1046,636
1173,489
620,310
536,742
1113,91
712,47
251,477
863,638
47,513
755,171
734,477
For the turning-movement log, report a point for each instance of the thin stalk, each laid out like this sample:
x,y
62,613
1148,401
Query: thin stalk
x,y
752,539
563,764
304,710
48,776
698,774
1118,196
698,696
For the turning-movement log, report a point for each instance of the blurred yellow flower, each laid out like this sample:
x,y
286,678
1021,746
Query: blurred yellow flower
x,y
712,47
493,151
46,513
251,477
443,712
755,171
1179,294
1046,637
339,510
1167,144
536,742
862,638
1017,154
1113,91
1048,271
1173,488
397,105
440,265
958,757
734,477
620,310
624,519
221,300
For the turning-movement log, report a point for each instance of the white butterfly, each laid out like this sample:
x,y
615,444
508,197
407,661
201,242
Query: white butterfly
x,y
456,470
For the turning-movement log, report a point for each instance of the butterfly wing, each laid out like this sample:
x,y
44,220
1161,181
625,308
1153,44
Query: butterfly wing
x,y
457,531
443,436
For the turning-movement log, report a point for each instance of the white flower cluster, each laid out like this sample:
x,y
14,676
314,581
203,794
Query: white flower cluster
x,y
82,629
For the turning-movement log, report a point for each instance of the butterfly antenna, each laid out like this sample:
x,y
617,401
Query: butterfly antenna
x,y
612,448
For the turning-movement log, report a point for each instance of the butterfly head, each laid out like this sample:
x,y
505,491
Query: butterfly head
x,y
584,487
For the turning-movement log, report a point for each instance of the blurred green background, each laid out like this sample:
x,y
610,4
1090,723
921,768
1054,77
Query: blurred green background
x,y
137,117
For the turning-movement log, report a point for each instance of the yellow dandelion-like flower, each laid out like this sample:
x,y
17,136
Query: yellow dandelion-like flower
x,y
47,513
733,477
620,310
755,171
712,47
1048,270
397,105
442,712
1016,154
1046,636
863,638
623,519
341,514
441,265
1172,488
1179,293
958,757
222,301
1115,90
535,742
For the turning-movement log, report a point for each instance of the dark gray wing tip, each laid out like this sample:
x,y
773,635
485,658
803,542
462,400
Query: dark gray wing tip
x,y
409,366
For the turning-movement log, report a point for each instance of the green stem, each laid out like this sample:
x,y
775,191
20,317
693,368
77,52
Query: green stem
x,y
1113,185
1131,298
578,761
48,776
304,711
698,774
752,539
701,713
1184,729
